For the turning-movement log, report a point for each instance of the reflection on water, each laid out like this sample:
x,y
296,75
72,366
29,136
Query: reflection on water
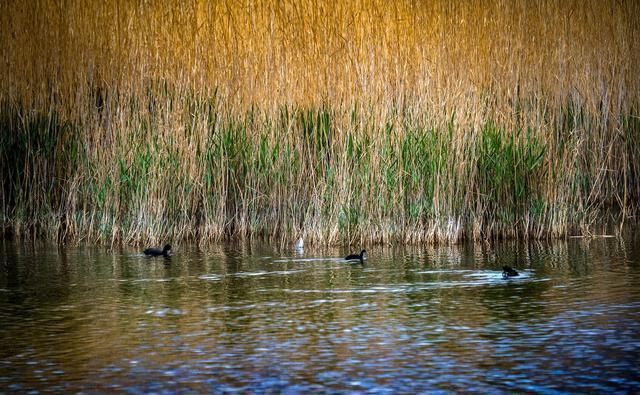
x,y
247,318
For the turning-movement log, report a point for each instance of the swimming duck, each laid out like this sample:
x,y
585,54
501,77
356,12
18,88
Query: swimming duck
x,y
508,271
353,257
157,251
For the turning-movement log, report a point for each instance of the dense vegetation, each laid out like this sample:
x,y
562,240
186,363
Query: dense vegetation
x,y
340,121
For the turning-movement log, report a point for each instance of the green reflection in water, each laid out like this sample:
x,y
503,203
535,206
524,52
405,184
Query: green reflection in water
x,y
251,318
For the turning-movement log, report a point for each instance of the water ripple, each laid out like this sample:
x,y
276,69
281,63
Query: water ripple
x,y
408,321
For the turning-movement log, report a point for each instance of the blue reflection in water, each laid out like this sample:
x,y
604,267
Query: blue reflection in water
x,y
247,320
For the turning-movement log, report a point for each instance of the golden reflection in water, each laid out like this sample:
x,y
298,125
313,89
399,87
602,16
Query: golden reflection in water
x,y
236,316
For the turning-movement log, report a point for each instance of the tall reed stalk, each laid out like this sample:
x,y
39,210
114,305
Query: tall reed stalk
x,y
348,121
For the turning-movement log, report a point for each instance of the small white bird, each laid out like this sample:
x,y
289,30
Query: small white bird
x,y
299,244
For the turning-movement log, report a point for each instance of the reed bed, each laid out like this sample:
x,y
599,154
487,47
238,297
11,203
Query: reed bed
x,y
343,122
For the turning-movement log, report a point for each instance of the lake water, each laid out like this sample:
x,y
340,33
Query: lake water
x,y
249,318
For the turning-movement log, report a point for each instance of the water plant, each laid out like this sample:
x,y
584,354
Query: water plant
x,y
340,121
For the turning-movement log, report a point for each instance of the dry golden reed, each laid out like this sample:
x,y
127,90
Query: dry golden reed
x,y
342,121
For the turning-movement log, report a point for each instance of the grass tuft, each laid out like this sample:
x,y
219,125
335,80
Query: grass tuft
x,y
412,122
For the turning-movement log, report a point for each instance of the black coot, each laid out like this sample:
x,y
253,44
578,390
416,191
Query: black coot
x,y
353,257
157,251
508,271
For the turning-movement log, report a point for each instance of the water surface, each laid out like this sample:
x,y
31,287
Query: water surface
x,y
248,318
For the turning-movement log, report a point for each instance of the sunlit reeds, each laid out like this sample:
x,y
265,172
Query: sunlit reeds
x,y
345,121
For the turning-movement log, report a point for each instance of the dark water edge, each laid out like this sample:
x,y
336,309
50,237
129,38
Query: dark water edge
x,y
252,318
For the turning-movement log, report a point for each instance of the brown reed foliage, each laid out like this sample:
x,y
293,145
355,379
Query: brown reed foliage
x,y
343,121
